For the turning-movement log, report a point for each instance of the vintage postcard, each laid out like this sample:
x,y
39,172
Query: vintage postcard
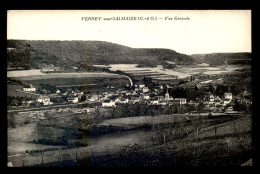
x,y
129,88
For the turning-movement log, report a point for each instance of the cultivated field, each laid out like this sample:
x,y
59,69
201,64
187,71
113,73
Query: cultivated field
x,y
61,75
88,80
181,72
24,73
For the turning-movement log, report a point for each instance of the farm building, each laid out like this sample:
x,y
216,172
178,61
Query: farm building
x,y
45,100
108,103
30,89
50,69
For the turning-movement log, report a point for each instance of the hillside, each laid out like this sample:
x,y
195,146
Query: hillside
x,y
68,54
223,58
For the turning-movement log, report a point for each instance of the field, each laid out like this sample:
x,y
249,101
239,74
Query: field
x,y
24,73
87,81
179,72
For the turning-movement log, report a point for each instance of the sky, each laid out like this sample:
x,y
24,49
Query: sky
x,y
206,31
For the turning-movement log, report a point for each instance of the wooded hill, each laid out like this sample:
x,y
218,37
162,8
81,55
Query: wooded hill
x,y
35,54
223,58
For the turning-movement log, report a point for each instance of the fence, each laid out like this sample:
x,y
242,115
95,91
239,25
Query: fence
x,y
57,156
161,138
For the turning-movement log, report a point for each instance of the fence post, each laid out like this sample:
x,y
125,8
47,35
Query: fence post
x,y
197,132
60,158
42,156
235,126
215,131
181,129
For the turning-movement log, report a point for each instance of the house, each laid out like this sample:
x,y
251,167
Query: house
x,y
194,103
141,86
58,92
73,99
226,101
157,100
163,102
228,96
121,100
94,98
182,100
217,99
47,70
206,82
211,98
229,109
108,103
45,100
79,92
30,89
51,68
134,99
154,102
175,102
146,97
145,89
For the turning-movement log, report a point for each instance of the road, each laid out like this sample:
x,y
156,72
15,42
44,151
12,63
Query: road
x,y
131,82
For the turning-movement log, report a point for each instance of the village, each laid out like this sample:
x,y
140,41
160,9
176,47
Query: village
x,y
158,95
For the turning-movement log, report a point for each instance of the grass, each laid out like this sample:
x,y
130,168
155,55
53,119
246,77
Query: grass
x,y
223,150
182,148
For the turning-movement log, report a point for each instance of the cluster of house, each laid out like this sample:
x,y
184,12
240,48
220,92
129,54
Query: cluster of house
x,y
215,103
141,95
72,97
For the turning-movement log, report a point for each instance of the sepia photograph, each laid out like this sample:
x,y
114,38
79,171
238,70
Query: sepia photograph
x,y
129,88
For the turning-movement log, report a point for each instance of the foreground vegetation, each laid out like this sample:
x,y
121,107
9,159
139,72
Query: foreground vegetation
x,y
226,147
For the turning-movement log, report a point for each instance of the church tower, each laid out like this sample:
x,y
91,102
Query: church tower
x,y
167,96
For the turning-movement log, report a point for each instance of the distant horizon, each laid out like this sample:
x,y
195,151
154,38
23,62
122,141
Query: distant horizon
x,y
133,47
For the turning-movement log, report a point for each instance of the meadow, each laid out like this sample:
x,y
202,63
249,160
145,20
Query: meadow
x,y
90,80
